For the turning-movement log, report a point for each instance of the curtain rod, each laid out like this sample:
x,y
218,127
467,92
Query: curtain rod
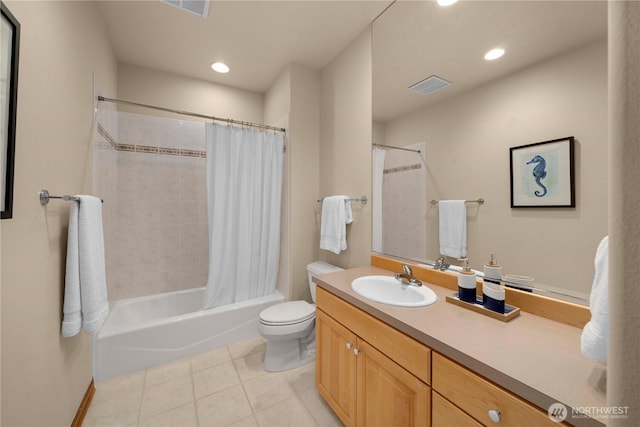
x,y
186,113
396,148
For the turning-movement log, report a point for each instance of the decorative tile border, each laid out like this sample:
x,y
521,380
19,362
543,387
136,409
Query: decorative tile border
x,y
107,136
148,148
193,153
169,151
403,168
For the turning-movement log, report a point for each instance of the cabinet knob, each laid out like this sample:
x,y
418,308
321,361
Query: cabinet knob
x,y
356,351
494,415
349,345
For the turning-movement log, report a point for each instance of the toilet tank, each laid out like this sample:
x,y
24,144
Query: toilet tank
x,y
315,269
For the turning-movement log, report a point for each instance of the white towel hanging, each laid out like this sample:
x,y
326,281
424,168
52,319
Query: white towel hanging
x,y
336,214
85,292
594,341
453,228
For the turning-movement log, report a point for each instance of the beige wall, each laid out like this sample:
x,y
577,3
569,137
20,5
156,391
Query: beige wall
x,y
377,135
623,373
296,94
277,100
468,140
277,104
305,175
147,86
45,376
345,143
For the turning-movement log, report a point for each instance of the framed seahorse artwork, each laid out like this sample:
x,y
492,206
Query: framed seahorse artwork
x,y
542,174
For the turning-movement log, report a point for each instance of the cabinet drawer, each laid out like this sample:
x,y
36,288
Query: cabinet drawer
x,y
446,414
412,355
477,396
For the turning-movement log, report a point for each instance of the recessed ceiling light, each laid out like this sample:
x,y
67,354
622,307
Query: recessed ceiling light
x,y
220,67
446,2
494,54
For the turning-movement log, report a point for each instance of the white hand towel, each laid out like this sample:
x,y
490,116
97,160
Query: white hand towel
x,y
453,228
85,299
594,342
72,320
336,214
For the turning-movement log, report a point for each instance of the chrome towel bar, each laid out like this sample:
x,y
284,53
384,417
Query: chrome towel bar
x,y
45,197
362,200
480,201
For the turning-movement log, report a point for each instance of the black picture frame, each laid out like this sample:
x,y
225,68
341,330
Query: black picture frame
x,y
543,174
9,50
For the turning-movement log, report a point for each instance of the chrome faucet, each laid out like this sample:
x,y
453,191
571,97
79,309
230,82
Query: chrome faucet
x,y
406,277
440,264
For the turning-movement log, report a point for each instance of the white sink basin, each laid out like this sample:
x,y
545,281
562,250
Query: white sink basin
x,y
388,290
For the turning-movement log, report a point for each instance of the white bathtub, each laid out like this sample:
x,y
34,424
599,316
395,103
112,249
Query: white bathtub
x,y
146,331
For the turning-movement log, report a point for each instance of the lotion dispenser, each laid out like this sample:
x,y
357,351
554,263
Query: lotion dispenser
x,y
492,271
492,291
467,283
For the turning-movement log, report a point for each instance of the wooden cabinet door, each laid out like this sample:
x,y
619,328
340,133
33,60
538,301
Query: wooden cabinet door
x,y
336,367
388,395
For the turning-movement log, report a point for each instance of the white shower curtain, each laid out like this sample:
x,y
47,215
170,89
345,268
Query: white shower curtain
x,y
378,174
244,183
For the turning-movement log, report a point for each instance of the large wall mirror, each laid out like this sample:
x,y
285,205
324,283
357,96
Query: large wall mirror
x,y
551,83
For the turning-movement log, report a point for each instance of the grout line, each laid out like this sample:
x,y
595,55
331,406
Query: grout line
x,y
144,388
195,403
193,390
253,412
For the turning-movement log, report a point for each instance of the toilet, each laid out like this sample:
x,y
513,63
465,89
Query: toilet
x,y
289,327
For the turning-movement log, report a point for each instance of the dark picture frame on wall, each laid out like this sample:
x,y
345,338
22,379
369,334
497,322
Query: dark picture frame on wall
x,y
9,50
542,174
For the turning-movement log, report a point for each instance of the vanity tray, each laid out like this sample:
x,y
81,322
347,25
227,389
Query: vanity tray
x,y
510,312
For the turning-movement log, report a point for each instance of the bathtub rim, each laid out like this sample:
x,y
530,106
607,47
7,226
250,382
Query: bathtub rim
x,y
106,330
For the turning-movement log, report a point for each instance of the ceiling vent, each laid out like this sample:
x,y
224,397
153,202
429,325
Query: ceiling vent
x,y
199,7
429,85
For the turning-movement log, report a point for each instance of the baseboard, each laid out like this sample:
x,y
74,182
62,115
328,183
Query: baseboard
x,y
84,405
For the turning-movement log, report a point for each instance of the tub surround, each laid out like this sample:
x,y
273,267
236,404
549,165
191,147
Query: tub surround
x,y
147,331
535,358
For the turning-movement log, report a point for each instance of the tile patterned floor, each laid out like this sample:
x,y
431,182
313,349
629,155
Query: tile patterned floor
x,y
223,387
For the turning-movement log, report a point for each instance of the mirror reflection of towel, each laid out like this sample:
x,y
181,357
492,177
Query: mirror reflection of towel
x,y
336,214
453,228
594,342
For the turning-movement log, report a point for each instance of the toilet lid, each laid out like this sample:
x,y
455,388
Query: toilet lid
x,y
288,313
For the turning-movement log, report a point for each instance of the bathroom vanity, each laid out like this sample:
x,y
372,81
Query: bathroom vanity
x,y
441,365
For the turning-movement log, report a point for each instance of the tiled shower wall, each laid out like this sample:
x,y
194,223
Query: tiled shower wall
x,y
106,180
160,241
404,218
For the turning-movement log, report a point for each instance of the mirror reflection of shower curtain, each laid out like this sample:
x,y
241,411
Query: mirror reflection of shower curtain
x,y
376,202
244,186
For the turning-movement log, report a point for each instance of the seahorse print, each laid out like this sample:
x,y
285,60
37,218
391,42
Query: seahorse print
x,y
539,173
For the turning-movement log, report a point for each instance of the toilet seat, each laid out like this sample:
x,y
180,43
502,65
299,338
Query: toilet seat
x,y
288,313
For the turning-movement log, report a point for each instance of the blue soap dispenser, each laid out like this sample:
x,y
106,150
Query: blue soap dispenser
x,y
467,283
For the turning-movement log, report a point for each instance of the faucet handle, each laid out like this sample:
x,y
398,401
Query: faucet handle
x,y
407,270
